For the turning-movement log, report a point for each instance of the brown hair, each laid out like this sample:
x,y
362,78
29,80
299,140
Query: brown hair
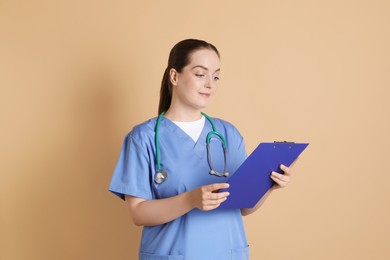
x,y
179,57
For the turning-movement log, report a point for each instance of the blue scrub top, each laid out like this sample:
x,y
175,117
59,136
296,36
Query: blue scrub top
x,y
197,235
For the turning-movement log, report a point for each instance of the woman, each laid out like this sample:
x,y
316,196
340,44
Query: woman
x,y
163,169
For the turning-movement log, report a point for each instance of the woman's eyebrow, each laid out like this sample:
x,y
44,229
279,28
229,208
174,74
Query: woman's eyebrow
x,y
203,67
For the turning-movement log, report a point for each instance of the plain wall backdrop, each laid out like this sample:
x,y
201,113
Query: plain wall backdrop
x,y
76,76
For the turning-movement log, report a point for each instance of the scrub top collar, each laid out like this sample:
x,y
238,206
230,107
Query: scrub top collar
x,y
199,147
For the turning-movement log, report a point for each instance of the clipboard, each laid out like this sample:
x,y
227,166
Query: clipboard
x,y
252,179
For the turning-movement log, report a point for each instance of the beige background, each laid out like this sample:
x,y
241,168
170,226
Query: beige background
x,y
75,77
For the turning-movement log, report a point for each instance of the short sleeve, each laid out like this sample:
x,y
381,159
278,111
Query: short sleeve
x,y
131,174
241,153
235,143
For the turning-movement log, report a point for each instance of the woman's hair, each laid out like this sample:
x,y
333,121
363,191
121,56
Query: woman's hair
x,y
179,57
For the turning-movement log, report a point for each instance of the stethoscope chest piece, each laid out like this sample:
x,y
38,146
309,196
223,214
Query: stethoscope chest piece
x,y
160,177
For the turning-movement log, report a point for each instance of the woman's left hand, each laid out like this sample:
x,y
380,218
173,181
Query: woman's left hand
x,y
282,180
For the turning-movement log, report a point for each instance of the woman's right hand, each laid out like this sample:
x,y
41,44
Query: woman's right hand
x,y
207,197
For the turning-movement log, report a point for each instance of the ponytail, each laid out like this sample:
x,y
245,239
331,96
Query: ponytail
x,y
165,93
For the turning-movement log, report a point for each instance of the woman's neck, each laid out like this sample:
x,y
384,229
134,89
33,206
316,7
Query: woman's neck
x,y
183,115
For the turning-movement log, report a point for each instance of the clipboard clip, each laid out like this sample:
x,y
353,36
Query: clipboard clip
x,y
284,142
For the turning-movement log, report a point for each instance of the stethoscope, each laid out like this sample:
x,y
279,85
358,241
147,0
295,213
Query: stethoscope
x,y
161,175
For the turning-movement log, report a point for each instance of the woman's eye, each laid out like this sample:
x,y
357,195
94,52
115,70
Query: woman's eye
x,y
199,75
216,78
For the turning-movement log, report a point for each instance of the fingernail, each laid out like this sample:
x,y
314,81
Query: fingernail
x,y
227,194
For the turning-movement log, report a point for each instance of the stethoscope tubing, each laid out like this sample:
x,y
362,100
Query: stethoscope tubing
x,y
157,143
161,175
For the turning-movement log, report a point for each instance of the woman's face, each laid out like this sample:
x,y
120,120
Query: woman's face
x,y
195,85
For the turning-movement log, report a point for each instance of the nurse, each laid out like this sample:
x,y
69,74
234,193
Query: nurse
x,y
166,181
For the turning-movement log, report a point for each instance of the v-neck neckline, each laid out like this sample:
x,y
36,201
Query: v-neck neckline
x,y
199,146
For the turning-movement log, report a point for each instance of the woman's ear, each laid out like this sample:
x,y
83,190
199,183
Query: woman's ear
x,y
173,74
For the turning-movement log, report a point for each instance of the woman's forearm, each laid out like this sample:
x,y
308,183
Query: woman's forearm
x,y
159,211
247,211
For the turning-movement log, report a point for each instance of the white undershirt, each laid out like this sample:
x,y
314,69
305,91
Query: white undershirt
x,y
193,129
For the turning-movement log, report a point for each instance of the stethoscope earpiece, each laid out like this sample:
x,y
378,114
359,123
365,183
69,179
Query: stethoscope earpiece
x,y
225,174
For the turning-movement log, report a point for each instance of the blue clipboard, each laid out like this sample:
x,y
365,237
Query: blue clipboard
x,y
252,179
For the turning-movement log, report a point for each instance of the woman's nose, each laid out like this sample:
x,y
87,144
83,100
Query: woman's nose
x,y
208,82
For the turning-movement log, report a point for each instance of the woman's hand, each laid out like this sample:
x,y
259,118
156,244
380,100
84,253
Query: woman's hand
x,y
207,197
282,180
